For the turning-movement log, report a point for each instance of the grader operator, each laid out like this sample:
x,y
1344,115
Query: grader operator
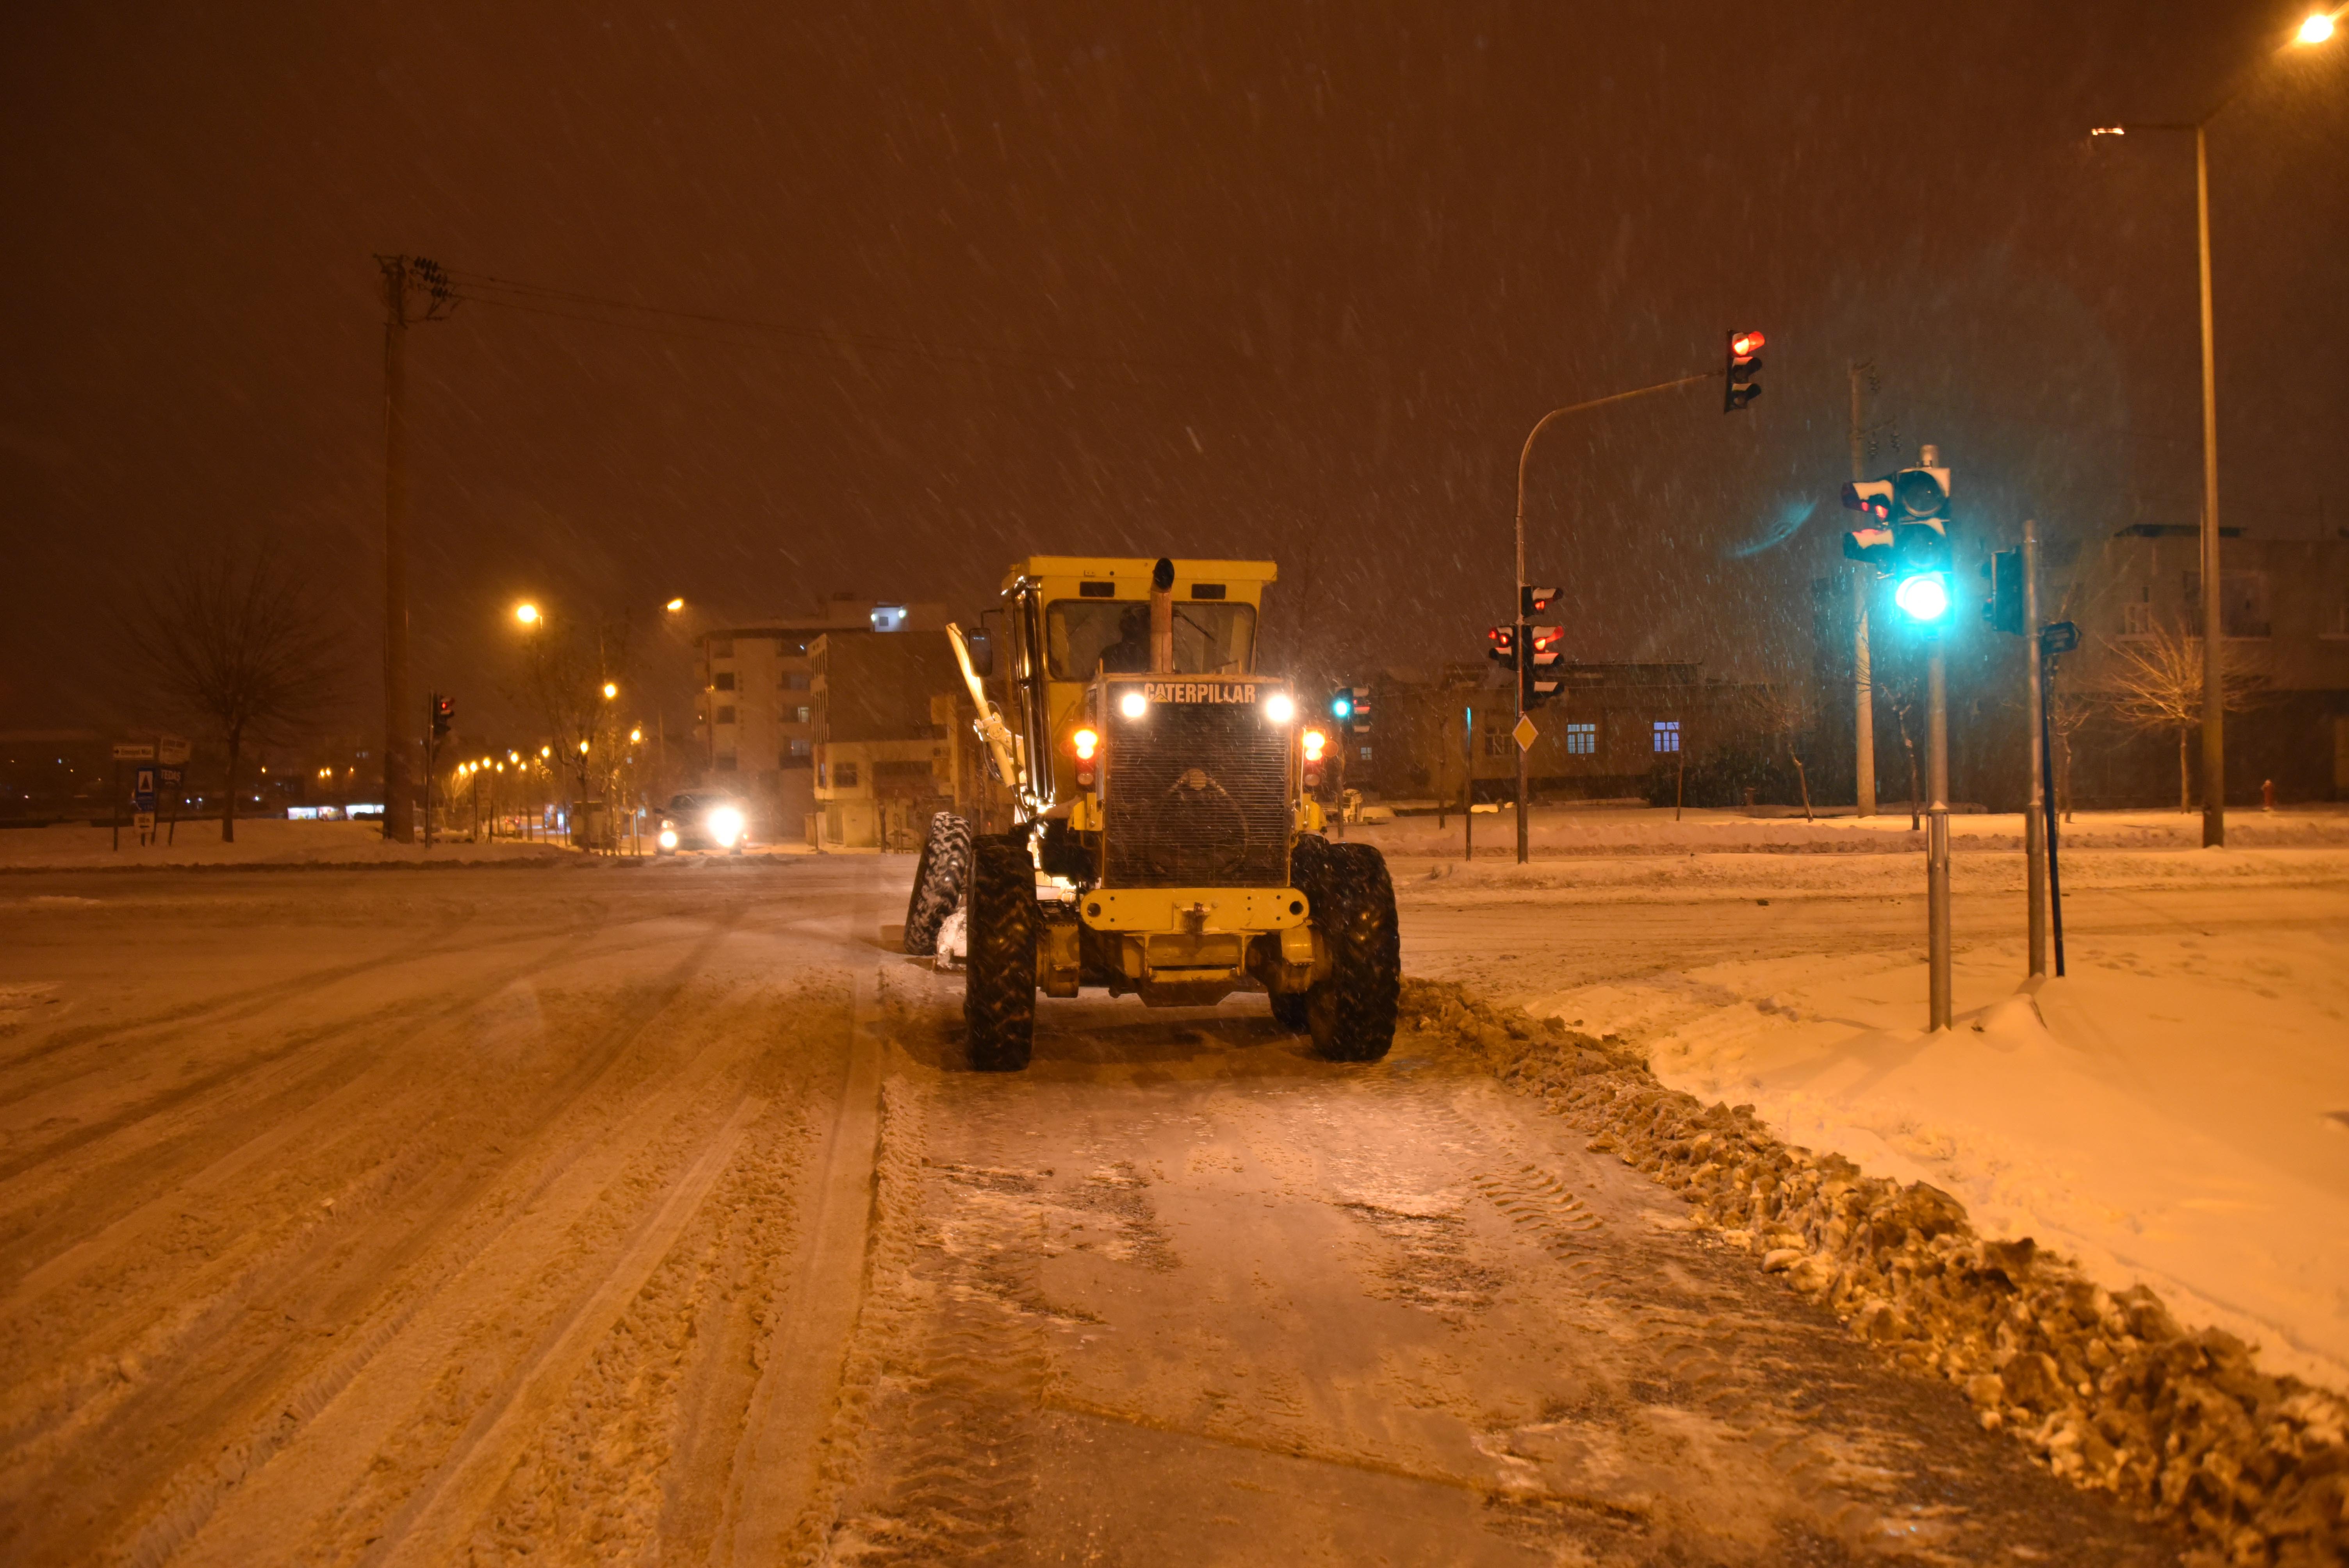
x,y
1165,839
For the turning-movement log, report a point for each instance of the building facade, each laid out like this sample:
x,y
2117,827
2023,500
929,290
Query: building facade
x,y
755,719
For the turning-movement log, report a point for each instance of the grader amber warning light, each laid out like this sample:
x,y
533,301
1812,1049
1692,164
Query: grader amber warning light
x,y
1165,837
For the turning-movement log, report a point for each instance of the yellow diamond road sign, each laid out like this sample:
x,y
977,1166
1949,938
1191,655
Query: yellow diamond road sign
x,y
1525,732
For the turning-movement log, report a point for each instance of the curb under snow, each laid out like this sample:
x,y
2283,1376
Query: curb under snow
x,y
2109,1391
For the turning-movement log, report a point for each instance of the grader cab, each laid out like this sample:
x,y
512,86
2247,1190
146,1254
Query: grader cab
x,y
1166,840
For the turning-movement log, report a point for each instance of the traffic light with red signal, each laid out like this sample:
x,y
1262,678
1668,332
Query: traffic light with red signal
x,y
444,713
1542,678
1742,381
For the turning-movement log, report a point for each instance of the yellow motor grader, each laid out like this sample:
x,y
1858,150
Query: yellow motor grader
x,y
1165,839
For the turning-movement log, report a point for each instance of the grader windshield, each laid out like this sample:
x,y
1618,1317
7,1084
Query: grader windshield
x,y
1083,636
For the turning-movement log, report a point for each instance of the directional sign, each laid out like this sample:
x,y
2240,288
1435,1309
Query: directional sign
x,y
172,750
1523,734
133,751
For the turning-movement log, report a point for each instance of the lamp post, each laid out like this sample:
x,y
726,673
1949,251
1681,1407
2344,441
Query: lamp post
x,y
2317,28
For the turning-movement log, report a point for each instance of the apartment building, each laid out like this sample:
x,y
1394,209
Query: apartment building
x,y
755,720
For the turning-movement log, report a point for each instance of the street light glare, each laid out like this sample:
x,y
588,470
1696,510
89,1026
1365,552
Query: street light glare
x,y
675,605
527,613
610,691
2110,130
2316,29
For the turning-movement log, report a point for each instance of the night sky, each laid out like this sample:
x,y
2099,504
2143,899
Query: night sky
x,y
1261,278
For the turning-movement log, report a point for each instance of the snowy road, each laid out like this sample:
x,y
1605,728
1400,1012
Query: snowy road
x,y
605,1213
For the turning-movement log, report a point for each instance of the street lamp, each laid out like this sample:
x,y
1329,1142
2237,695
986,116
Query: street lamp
x,y
674,605
611,690
2315,29
527,613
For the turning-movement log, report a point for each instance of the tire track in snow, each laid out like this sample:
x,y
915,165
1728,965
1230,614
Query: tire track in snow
x,y
226,1427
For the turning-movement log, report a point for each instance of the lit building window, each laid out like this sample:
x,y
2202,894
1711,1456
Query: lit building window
x,y
888,617
1366,754
1668,735
1581,740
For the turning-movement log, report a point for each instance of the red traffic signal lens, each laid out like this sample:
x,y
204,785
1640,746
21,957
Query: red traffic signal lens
x,y
1745,343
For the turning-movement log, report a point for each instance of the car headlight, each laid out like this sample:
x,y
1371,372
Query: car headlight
x,y
725,826
668,837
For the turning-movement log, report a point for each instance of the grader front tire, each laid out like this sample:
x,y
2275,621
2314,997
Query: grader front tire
x,y
998,1004
1352,1013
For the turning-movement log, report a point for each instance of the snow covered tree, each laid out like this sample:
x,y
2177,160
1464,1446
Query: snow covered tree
x,y
233,640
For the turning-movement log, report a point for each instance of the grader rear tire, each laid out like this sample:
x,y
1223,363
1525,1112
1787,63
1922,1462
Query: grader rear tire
x,y
938,880
998,1002
1352,1012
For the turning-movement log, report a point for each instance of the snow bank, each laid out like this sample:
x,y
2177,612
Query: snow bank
x,y
259,842
2105,1387
2162,1114
1606,829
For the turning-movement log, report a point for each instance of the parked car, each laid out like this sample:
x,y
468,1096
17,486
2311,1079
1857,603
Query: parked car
x,y
703,819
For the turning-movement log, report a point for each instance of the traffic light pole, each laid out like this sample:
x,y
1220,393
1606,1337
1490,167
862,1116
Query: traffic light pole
x,y
1936,831
1523,648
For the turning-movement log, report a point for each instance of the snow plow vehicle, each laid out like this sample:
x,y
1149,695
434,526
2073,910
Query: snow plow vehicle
x,y
1166,840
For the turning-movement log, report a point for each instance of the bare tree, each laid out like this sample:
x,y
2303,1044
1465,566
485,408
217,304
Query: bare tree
x,y
233,640
2068,713
2157,686
572,676
1782,715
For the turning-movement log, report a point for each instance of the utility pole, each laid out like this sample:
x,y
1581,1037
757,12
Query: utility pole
x,y
1862,672
2034,824
399,806
399,824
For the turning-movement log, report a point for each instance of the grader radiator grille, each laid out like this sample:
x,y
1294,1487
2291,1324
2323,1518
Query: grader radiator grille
x,y
1195,788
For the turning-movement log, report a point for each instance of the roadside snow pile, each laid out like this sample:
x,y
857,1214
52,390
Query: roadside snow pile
x,y
259,842
1563,830
2106,1389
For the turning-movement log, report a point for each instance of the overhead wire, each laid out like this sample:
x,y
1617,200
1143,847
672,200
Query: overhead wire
x,y
511,294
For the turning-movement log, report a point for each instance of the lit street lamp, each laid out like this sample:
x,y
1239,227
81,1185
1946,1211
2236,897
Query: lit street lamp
x,y
2315,29
527,613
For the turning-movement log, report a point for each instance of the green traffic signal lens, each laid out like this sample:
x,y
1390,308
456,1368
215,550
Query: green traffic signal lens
x,y
1924,597
1341,707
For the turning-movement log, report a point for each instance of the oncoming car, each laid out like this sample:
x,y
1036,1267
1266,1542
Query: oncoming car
x,y
703,821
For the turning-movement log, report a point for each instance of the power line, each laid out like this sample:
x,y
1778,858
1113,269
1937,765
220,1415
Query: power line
x,y
539,299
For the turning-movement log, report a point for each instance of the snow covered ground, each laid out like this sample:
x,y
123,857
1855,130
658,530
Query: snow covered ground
x,y
2174,1111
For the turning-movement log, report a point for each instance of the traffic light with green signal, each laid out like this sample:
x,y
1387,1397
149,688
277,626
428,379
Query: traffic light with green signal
x,y
1907,535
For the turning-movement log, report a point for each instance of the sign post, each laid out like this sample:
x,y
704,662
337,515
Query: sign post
x,y
142,802
129,751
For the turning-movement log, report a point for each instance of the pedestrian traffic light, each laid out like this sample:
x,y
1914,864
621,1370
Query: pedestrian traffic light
x,y
2004,608
444,710
1532,601
1504,651
1742,381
